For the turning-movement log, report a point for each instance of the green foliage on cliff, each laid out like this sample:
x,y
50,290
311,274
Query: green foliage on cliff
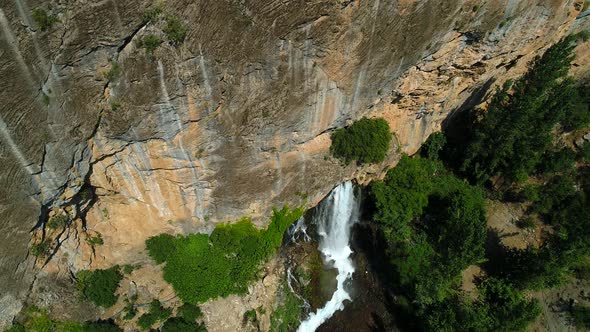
x,y
41,249
366,141
43,20
150,43
99,286
287,315
37,320
175,30
58,221
178,324
201,267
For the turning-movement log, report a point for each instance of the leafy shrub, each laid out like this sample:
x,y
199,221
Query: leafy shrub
x,y
526,223
189,312
558,161
201,267
509,310
366,141
175,30
96,240
152,13
99,286
584,153
44,22
156,313
178,324
150,43
403,194
100,326
41,249
58,221
250,316
531,193
114,72
37,320
554,195
129,311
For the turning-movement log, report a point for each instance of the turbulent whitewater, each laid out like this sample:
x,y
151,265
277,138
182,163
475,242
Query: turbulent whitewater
x,y
335,219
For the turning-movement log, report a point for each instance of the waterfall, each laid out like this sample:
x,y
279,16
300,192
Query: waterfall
x,y
335,219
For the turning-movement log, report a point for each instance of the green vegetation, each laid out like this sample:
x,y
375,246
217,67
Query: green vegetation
x,y
250,316
99,286
43,20
189,312
287,316
95,240
178,324
150,43
37,320
114,72
156,313
520,120
366,141
152,13
129,312
432,148
41,249
46,99
581,317
175,30
526,223
499,308
115,106
201,267
185,320
434,222
435,226
58,222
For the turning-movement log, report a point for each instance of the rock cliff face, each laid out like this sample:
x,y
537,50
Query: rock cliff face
x,y
233,121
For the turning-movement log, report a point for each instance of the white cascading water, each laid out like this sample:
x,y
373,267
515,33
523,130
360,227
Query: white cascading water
x,y
334,220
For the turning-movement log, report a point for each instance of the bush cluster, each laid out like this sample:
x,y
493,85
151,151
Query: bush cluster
x,y
201,267
156,313
99,286
175,30
43,20
37,320
150,43
366,141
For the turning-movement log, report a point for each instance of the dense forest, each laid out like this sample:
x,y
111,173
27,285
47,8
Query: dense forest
x,y
432,208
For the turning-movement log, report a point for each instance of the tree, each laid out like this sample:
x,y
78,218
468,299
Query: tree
x,y
366,141
520,118
99,286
